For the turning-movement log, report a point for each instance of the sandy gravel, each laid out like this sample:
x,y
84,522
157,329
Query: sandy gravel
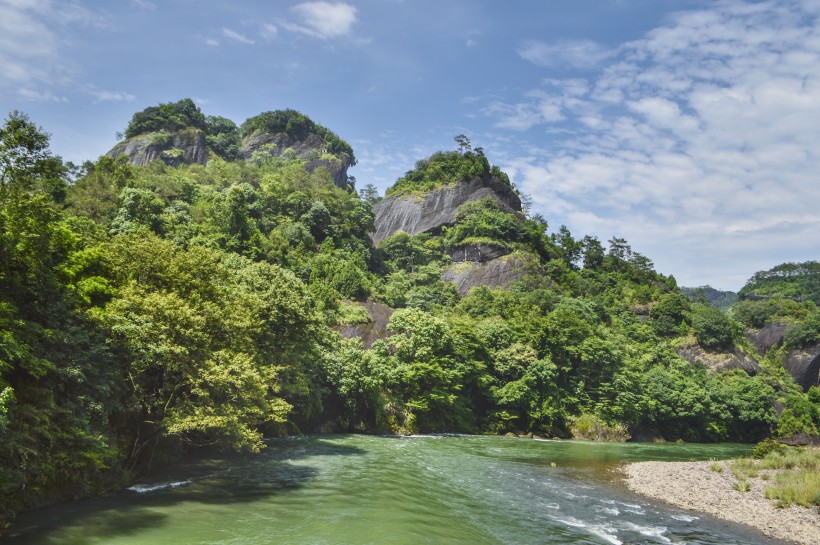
x,y
693,485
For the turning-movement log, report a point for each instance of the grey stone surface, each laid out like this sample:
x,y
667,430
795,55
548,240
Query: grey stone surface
x,y
416,214
309,149
476,252
496,273
804,365
184,147
720,361
375,329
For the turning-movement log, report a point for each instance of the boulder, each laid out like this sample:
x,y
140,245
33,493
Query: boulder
x,y
768,336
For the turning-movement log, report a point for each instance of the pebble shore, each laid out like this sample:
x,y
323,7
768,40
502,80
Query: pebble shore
x,y
695,486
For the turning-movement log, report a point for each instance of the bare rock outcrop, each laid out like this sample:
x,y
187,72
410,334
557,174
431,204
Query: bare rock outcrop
x,y
373,330
804,365
476,252
768,336
720,361
419,213
311,149
187,147
496,273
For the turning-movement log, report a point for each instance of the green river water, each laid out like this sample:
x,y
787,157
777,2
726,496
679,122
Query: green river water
x,y
353,489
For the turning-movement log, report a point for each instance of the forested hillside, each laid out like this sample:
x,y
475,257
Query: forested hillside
x,y
148,310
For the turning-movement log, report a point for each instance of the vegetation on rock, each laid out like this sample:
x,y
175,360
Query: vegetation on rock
x,y
149,310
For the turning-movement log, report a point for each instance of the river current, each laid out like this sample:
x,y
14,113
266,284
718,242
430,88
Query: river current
x,y
353,489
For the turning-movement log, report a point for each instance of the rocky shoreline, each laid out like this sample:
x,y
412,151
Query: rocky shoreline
x,y
695,486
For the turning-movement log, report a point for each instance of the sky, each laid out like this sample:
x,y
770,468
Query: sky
x,y
690,128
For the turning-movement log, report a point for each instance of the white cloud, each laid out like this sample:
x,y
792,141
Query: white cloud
x,y
697,142
102,95
34,95
324,20
269,31
144,4
33,41
578,53
236,36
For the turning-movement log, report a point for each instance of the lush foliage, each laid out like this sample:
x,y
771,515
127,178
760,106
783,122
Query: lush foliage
x,y
170,116
149,310
447,167
800,281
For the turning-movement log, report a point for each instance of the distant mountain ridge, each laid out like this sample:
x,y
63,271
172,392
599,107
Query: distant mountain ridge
x,y
717,298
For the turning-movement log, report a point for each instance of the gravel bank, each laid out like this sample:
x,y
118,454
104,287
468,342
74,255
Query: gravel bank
x,y
693,485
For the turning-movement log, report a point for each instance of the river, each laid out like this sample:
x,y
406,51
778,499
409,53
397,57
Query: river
x,y
354,489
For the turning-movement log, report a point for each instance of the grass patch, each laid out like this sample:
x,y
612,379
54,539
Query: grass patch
x,y
717,467
801,486
742,486
797,480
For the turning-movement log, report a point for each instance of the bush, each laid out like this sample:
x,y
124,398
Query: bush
x,y
714,330
803,334
766,447
296,125
589,426
171,116
446,167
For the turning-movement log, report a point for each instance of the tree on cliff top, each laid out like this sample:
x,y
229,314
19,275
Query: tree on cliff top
x,y
296,125
170,116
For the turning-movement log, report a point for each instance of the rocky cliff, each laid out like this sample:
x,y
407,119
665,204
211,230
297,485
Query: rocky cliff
x,y
312,149
419,213
187,146
803,364
495,273
719,361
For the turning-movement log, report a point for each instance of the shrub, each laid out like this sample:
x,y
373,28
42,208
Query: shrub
x,y
714,330
589,426
171,116
766,447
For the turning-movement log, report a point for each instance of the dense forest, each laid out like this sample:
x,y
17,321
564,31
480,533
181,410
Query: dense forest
x,y
146,311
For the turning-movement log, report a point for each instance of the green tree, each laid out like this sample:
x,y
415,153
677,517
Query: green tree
x,y
714,330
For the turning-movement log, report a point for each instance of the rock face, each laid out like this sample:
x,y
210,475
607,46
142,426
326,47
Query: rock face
x,y
183,147
311,149
189,146
373,330
416,214
720,361
496,273
767,336
476,252
804,366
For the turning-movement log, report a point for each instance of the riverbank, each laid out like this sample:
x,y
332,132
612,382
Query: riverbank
x,y
696,486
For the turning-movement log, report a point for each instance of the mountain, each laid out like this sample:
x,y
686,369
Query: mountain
x,y
717,298
178,133
169,299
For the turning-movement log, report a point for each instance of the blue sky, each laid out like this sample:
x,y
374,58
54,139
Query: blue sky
x,y
690,128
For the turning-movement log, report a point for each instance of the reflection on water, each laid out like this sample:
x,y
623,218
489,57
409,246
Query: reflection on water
x,y
394,490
